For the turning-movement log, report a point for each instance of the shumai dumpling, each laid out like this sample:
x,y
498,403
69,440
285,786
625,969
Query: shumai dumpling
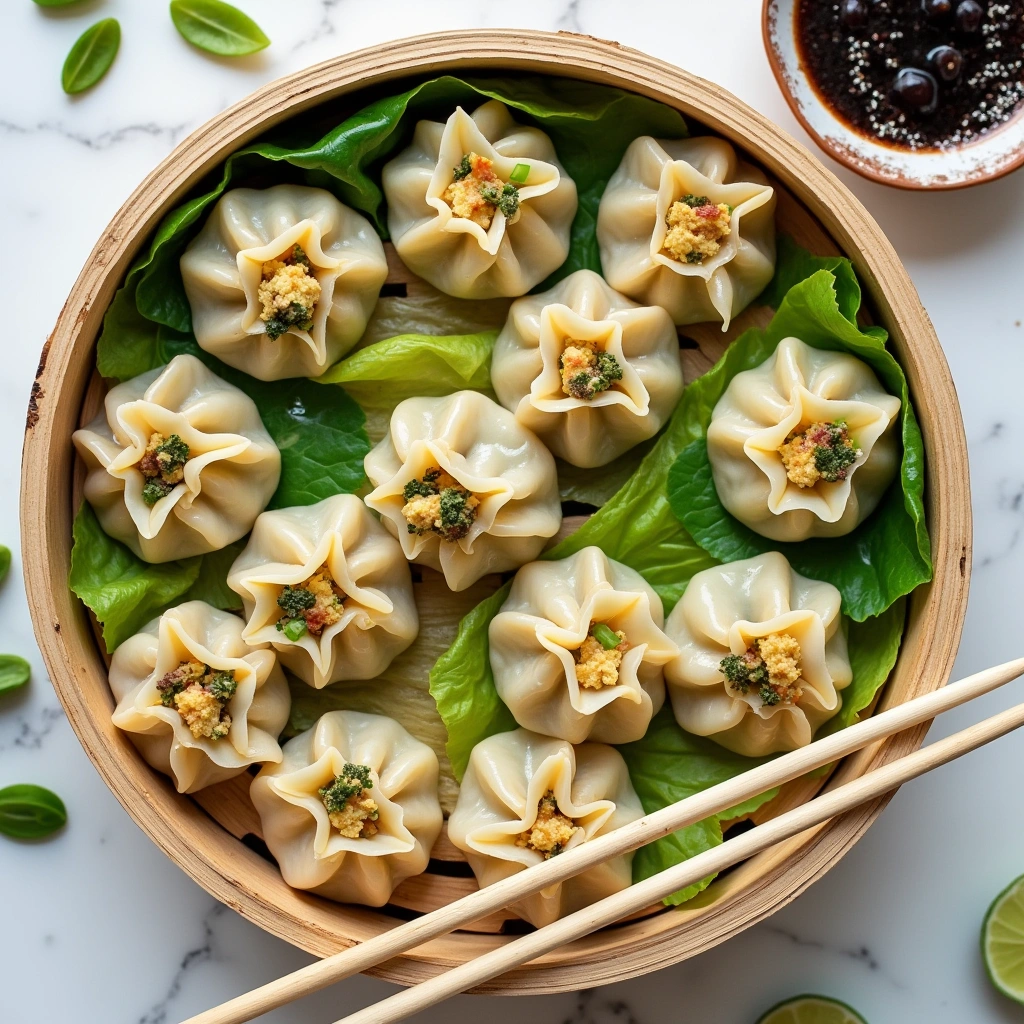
x,y
588,371
199,703
803,445
526,798
577,649
685,225
762,656
282,280
351,810
329,588
480,206
178,462
465,487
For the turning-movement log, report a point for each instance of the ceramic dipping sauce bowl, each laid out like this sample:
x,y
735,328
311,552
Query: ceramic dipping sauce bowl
x,y
983,159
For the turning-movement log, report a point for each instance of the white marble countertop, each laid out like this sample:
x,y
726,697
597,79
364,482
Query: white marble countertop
x,y
99,926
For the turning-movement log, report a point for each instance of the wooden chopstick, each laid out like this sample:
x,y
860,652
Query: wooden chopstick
x,y
613,908
645,830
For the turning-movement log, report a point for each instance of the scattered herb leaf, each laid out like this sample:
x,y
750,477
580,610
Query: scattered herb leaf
x,y
217,27
14,672
30,812
91,56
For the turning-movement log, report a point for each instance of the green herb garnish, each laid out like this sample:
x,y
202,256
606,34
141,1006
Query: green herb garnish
x,y
217,27
605,636
91,56
30,812
519,173
14,672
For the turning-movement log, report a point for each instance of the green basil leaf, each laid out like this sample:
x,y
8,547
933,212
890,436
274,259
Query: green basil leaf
x,y
217,27
57,3
5,561
91,56
889,554
30,812
667,765
14,672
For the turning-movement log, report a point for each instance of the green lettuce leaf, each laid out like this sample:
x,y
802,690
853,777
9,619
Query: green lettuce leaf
x,y
590,126
889,554
462,686
668,765
794,264
415,365
124,592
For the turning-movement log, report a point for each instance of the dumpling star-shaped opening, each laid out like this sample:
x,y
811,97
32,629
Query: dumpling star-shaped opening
x,y
796,638
289,287
698,226
139,424
552,781
619,612
176,647
474,178
302,788
771,448
425,458
584,365
311,620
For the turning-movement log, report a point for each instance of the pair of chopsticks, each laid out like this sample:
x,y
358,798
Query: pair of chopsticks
x,y
785,768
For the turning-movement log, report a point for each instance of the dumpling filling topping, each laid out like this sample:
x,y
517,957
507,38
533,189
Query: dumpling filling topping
x,y
599,656
200,695
770,666
289,293
587,369
311,606
477,192
552,830
696,229
438,503
350,806
163,466
822,451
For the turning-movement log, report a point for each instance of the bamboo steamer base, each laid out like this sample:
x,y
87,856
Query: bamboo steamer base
x,y
215,836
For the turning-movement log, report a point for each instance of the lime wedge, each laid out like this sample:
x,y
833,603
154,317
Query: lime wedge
x,y
1002,941
811,1010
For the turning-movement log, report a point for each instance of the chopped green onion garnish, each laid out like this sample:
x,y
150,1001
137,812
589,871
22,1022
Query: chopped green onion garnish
x,y
295,629
519,173
605,636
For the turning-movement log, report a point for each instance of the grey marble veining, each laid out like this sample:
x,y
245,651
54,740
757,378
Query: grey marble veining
x,y
99,927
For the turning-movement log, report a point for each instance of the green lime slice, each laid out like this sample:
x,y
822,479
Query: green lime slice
x,y
1002,941
812,1010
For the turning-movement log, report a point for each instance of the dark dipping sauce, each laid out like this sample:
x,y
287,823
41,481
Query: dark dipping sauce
x,y
916,74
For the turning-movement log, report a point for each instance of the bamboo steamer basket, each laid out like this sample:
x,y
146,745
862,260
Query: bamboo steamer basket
x,y
214,837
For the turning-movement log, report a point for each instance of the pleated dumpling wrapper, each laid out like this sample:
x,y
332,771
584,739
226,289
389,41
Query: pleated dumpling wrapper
x,y
466,488
480,206
804,445
577,649
329,588
684,224
762,656
588,371
526,798
351,811
178,462
282,280
196,700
